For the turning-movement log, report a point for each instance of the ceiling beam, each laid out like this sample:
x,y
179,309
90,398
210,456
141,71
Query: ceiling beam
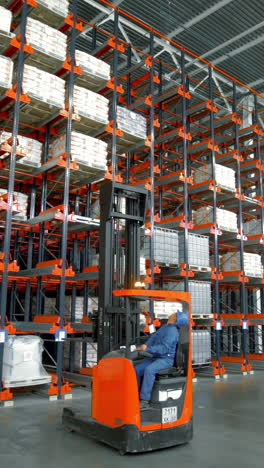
x,y
199,18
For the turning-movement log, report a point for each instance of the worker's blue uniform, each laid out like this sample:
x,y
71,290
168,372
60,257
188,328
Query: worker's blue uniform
x,y
162,345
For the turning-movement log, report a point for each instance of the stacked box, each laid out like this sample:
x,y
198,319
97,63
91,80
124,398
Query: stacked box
x,y
91,65
84,149
31,148
162,309
166,246
131,122
226,220
5,20
91,355
44,86
22,201
90,105
201,295
59,6
198,250
224,176
6,72
252,227
252,263
46,39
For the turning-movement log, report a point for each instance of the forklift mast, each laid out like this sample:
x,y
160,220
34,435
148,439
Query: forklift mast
x,y
122,215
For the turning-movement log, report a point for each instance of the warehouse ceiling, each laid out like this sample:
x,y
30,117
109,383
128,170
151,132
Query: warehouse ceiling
x,y
228,33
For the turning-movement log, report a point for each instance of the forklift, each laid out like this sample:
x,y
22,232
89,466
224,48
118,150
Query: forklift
x,y
116,418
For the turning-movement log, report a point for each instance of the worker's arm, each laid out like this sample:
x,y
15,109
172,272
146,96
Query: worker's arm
x,y
151,340
170,340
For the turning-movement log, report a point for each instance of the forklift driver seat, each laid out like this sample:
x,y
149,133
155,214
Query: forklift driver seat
x,y
181,357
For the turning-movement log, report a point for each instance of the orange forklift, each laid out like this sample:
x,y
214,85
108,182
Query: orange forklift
x,y
116,418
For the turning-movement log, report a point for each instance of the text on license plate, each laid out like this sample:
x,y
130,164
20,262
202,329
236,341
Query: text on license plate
x,y
169,414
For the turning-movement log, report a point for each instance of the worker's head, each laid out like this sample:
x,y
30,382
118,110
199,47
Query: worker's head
x,y
172,318
180,320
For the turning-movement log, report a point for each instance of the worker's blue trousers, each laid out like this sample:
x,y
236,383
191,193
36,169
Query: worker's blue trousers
x,y
146,372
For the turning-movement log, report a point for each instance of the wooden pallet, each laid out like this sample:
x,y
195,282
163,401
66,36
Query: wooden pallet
x,y
202,316
89,81
38,112
40,59
5,39
88,125
200,269
52,17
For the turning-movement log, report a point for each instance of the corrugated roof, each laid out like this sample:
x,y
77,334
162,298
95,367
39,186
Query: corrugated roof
x,y
199,28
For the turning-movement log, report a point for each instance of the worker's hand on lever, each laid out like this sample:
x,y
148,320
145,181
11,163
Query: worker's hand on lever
x,y
143,347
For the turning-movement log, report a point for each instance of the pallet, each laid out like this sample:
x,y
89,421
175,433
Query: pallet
x,y
200,269
88,125
38,112
202,316
54,17
5,39
40,59
90,81
128,140
28,383
167,265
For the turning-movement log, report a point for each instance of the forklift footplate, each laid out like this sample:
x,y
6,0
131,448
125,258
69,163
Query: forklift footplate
x,y
127,438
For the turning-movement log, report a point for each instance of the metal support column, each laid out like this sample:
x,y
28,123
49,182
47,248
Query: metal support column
x,y
185,172
11,181
219,367
243,299
64,239
152,164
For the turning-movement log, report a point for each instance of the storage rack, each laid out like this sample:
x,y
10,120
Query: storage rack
x,y
189,122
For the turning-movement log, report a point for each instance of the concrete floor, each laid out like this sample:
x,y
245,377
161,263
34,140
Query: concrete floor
x,y
228,432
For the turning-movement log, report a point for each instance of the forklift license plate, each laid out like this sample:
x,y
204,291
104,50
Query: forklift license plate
x,y
169,415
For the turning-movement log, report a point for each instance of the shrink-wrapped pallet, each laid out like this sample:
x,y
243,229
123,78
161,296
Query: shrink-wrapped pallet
x,y
166,246
200,294
46,39
6,72
224,176
91,105
22,364
198,250
5,20
93,66
131,123
32,149
44,86
252,263
226,220
252,227
84,149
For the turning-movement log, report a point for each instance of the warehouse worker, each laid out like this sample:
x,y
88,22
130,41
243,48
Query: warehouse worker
x,y
162,345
